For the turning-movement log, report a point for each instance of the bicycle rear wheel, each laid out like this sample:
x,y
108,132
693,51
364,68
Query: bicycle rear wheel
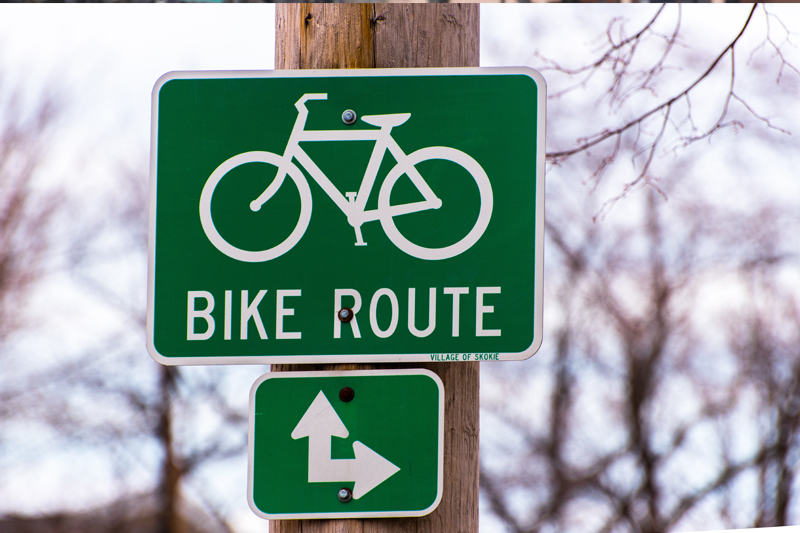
x,y
484,191
284,168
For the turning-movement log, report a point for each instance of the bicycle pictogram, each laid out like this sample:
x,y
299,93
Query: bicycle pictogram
x,y
352,204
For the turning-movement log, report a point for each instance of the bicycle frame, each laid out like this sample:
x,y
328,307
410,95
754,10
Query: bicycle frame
x,y
355,205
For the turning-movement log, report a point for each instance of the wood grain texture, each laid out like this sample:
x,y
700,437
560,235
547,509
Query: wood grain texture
x,y
323,36
426,35
318,36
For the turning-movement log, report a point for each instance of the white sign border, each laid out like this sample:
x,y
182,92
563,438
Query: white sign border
x,y
375,514
353,358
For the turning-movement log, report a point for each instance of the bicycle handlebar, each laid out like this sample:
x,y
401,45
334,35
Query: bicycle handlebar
x,y
310,96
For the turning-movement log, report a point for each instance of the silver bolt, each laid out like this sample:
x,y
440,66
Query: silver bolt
x,y
349,116
345,314
345,495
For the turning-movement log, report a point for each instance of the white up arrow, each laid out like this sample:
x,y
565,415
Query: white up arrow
x,y
320,424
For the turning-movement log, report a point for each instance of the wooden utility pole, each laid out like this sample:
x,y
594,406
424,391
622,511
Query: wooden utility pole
x,y
326,36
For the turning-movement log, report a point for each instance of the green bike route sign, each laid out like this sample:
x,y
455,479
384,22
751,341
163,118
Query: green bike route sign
x,y
346,444
346,216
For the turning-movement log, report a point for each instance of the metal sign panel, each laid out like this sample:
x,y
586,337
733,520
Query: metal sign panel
x,y
346,444
409,200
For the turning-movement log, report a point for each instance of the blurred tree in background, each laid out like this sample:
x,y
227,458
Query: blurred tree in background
x,y
24,214
106,403
668,399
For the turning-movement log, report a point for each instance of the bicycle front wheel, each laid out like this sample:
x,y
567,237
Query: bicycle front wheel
x,y
445,170
281,245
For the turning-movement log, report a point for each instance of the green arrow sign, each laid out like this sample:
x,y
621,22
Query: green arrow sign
x,y
346,444
346,216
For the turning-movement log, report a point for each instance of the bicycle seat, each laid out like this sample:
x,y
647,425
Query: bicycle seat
x,y
386,121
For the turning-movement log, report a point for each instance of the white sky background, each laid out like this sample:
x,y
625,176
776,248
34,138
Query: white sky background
x,y
106,59
103,64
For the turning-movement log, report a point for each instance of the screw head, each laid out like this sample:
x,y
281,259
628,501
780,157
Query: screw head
x,y
344,495
345,314
349,116
347,394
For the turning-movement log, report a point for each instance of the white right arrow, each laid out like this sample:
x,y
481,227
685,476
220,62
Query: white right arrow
x,y
320,424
